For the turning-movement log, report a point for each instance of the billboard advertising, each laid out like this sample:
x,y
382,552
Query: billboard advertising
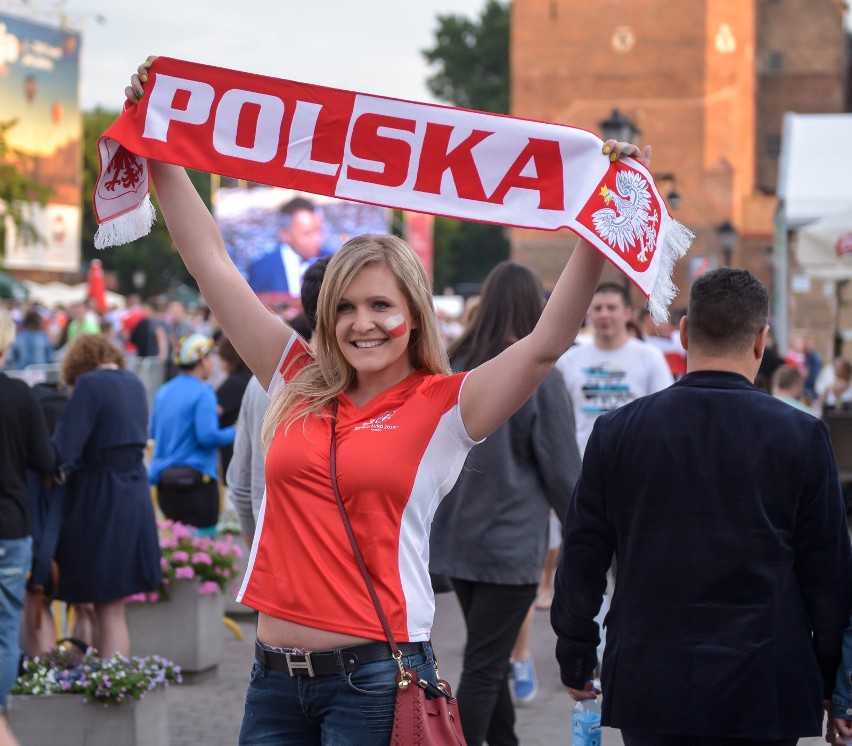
x,y
274,234
39,90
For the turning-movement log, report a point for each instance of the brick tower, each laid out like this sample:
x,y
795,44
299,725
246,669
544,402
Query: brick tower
x,y
706,82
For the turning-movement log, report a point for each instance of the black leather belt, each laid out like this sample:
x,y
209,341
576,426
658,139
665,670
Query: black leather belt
x,y
324,663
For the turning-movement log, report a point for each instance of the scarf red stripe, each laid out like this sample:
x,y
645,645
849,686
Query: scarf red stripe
x,y
389,152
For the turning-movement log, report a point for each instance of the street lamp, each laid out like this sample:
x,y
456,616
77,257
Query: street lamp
x,y
673,197
619,127
727,234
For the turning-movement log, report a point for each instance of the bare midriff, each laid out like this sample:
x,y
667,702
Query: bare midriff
x,y
279,633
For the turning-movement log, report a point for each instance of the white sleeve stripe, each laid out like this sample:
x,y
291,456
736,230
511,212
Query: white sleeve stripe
x,y
277,377
254,545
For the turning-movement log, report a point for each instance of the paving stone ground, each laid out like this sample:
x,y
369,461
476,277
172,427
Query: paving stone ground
x,y
208,710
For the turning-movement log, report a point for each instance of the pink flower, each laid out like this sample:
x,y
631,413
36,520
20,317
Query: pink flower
x,y
164,563
184,573
181,531
153,597
208,588
136,598
180,556
201,558
169,542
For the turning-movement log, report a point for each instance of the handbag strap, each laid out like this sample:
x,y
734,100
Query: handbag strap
x,y
397,654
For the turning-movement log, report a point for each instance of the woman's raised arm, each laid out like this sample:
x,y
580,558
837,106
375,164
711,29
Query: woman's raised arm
x,y
494,391
257,334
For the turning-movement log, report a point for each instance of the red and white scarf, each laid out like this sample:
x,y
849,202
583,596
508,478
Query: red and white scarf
x,y
389,152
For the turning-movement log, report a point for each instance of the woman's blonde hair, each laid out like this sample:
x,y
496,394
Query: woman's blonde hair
x,y
318,383
7,330
87,352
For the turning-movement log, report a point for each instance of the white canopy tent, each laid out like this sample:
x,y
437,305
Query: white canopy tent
x,y
815,200
824,247
52,294
815,167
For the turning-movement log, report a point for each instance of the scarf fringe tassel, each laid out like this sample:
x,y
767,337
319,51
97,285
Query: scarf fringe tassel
x,y
128,226
674,244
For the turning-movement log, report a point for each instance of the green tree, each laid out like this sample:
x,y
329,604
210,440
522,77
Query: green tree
x,y
473,72
151,259
473,60
17,189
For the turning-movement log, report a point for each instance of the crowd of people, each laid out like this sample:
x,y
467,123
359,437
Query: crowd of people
x,y
492,553
705,513
149,328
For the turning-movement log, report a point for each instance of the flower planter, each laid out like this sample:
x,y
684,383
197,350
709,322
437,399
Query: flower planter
x,y
186,629
67,719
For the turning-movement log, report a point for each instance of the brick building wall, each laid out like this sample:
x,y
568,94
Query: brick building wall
x,y
706,82
805,73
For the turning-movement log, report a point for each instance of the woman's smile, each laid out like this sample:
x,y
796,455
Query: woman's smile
x,y
367,344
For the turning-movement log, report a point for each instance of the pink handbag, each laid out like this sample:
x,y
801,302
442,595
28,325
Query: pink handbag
x,y
421,720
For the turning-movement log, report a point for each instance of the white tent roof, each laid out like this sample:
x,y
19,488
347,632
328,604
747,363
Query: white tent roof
x,y
52,294
815,173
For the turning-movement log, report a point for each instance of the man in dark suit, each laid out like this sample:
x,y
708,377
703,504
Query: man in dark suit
x,y
723,507
281,270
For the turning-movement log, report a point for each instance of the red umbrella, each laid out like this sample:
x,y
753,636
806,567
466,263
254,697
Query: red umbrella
x,y
97,287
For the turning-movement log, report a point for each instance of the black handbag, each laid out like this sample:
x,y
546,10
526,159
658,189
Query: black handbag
x,y
181,479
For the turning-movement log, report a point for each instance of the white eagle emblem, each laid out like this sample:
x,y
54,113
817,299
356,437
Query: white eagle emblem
x,y
631,220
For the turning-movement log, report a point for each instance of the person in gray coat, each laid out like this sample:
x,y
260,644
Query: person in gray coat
x,y
490,534
246,478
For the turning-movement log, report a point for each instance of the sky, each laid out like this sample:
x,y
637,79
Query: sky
x,y
370,46
373,46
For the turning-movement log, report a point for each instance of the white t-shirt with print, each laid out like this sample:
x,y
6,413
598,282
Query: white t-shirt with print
x,y
602,380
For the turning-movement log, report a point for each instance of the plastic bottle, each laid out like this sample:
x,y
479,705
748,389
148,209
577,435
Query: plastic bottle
x,y
586,723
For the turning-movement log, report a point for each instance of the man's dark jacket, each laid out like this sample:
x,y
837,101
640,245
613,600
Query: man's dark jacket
x,y
723,508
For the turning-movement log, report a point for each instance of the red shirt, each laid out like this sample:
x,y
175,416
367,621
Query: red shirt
x,y
397,457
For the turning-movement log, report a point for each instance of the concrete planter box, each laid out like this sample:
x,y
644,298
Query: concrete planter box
x,y
67,719
187,629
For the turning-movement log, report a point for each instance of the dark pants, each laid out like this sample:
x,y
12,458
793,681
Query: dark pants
x,y
493,615
649,739
197,506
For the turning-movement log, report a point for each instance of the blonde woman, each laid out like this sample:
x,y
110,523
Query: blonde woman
x,y
404,425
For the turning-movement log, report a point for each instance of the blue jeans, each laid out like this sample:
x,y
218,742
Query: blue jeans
x,y
354,709
15,559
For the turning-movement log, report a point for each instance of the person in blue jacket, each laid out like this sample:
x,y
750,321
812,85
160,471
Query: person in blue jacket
x,y
32,344
187,436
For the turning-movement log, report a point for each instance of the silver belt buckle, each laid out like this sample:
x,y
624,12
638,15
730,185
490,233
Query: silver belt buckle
x,y
306,664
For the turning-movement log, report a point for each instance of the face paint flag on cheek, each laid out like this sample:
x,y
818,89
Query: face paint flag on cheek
x,y
399,154
396,326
